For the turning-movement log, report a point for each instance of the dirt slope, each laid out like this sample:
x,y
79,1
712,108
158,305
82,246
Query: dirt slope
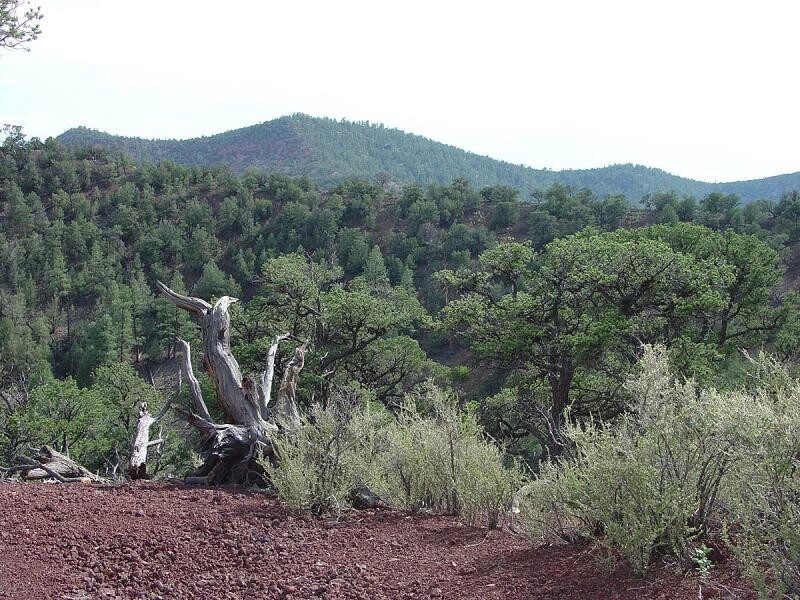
x,y
166,541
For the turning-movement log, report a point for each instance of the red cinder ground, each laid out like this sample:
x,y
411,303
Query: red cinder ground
x,y
159,540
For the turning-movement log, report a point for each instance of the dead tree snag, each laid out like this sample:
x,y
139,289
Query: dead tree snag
x,y
229,448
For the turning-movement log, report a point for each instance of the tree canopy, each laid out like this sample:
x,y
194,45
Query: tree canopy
x,y
566,326
545,302
19,24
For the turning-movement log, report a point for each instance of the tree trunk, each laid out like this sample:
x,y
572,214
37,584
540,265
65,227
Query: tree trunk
x,y
137,468
229,449
137,465
560,386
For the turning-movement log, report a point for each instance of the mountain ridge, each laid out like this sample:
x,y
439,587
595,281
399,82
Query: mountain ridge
x,y
330,150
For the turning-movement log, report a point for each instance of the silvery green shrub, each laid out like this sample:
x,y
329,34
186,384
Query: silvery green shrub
x,y
662,476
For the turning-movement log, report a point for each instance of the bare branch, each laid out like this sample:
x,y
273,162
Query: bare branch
x,y
195,305
207,426
35,464
223,304
241,406
286,409
54,461
265,388
194,385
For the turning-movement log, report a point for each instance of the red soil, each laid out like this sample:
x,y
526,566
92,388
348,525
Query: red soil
x,y
158,540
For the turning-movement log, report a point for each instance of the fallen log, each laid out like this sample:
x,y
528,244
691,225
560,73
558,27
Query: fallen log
x,y
47,463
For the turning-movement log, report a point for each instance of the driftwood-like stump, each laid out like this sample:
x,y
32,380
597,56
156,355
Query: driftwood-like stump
x,y
141,444
137,464
229,449
47,463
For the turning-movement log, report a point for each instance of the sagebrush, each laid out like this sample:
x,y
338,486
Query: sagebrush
x,y
428,456
683,465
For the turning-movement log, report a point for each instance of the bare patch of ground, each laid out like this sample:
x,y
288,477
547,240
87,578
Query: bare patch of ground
x,y
158,540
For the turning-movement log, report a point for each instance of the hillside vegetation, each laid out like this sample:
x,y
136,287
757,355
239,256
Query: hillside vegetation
x,y
331,151
444,317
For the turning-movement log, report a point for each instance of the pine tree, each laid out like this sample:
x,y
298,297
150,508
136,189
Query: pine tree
x,y
375,269
171,322
119,306
407,278
214,283
141,309
18,212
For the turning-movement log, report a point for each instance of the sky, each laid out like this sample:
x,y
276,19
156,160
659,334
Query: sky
x,y
704,89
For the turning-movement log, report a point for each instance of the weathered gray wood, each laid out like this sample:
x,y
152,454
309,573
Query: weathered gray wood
x,y
265,390
47,470
195,305
229,449
194,385
286,411
137,465
141,444
215,324
47,462
223,368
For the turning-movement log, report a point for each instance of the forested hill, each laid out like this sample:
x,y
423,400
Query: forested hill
x,y
394,287
331,151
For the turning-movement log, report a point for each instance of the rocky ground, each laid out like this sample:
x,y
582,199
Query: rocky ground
x,y
159,540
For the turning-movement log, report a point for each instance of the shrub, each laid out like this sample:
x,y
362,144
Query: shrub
x,y
764,497
319,464
459,374
422,454
649,484
436,458
428,457
485,485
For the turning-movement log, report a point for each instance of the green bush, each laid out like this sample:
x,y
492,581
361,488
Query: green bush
x,y
653,482
764,496
428,457
485,486
436,458
459,374
317,465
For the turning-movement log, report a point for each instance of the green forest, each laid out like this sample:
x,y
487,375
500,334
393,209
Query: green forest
x,y
331,151
557,342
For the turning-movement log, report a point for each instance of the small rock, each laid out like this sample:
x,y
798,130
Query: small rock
x,y
287,588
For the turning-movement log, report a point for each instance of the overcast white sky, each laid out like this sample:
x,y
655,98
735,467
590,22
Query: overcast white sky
x,y
704,89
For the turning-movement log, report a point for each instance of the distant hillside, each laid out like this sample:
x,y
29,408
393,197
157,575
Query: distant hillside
x,y
330,151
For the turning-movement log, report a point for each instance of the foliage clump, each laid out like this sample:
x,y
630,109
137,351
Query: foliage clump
x,y
680,467
428,457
